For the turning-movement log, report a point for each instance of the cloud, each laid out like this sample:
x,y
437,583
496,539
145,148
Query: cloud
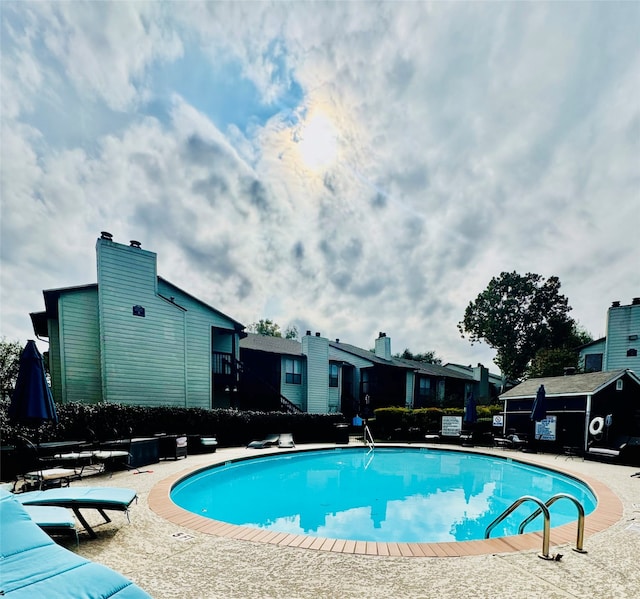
x,y
471,139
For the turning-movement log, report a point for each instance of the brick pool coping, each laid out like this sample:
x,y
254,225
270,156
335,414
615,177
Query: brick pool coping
x,y
608,511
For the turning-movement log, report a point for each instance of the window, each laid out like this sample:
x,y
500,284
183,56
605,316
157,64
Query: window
x,y
632,353
424,387
293,372
333,375
364,382
593,363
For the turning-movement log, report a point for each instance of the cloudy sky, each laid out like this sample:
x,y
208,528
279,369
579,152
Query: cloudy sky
x,y
344,167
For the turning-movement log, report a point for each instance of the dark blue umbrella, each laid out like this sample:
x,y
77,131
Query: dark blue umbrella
x,y
539,410
470,410
32,401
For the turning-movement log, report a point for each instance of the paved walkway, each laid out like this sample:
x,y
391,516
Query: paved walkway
x,y
169,560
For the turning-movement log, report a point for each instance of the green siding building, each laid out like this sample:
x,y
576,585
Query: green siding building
x,y
135,338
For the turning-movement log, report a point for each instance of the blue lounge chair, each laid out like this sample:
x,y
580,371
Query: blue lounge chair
x,y
53,520
102,499
33,565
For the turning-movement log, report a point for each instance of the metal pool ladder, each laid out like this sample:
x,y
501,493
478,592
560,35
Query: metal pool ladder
x,y
368,439
543,508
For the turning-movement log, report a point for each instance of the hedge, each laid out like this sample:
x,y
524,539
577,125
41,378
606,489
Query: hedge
x,y
232,427
389,422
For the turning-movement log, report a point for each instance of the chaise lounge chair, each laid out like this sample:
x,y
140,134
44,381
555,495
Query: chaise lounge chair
x,y
53,520
40,473
512,441
33,565
268,441
102,499
286,440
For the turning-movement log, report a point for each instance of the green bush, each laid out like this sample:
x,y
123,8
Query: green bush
x,y
232,427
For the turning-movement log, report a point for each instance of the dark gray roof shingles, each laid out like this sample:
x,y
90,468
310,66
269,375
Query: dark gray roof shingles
x,y
274,345
564,385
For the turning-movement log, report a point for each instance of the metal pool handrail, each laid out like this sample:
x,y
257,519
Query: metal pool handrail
x,y
546,528
549,503
368,438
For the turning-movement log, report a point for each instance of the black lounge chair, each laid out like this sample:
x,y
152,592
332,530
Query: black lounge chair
x,y
513,441
38,472
268,441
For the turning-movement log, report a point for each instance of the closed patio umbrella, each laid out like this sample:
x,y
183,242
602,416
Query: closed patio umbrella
x,y
539,410
471,410
32,401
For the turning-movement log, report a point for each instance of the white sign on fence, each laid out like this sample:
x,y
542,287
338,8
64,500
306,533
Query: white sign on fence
x,y
451,426
546,429
498,420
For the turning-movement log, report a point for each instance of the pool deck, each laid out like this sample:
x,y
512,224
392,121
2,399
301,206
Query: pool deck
x,y
171,553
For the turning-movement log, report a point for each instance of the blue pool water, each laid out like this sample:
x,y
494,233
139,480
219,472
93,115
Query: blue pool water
x,y
390,495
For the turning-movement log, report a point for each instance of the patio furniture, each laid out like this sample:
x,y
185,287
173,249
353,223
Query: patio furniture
x,y
513,441
624,449
140,451
53,520
36,472
33,565
286,440
172,446
102,499
104,458
202,443
268,441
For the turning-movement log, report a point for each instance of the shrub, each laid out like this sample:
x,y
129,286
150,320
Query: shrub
x,y
232,427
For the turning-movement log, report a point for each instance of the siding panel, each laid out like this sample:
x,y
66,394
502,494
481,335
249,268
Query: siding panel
x,y
143,358
80,375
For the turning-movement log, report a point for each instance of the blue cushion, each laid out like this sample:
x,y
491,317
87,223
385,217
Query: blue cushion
x,y
89,580
32,565
19,533
84,495
49,516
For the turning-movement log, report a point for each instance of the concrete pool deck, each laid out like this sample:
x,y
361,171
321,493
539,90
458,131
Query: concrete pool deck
x,y
170,559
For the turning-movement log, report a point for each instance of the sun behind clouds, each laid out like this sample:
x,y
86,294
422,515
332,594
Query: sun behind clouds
x,y
318,145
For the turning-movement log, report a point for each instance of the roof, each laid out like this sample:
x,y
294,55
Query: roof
x,y
576,384
493,377
594,342
425,368
366,354
274,345
51,297
237,325
430,369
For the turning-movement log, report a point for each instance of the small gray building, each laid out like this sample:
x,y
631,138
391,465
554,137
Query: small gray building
x,y
575,401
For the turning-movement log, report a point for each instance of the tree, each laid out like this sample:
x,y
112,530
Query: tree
x,y
517,316
271,329
428,356
9,365
554,361
291,332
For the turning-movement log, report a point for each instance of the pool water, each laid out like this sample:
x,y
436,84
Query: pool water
x,y
388,495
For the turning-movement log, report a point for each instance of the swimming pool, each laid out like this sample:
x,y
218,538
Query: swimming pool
x,y
391,495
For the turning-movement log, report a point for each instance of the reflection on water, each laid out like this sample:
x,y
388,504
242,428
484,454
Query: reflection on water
x,y
402,495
